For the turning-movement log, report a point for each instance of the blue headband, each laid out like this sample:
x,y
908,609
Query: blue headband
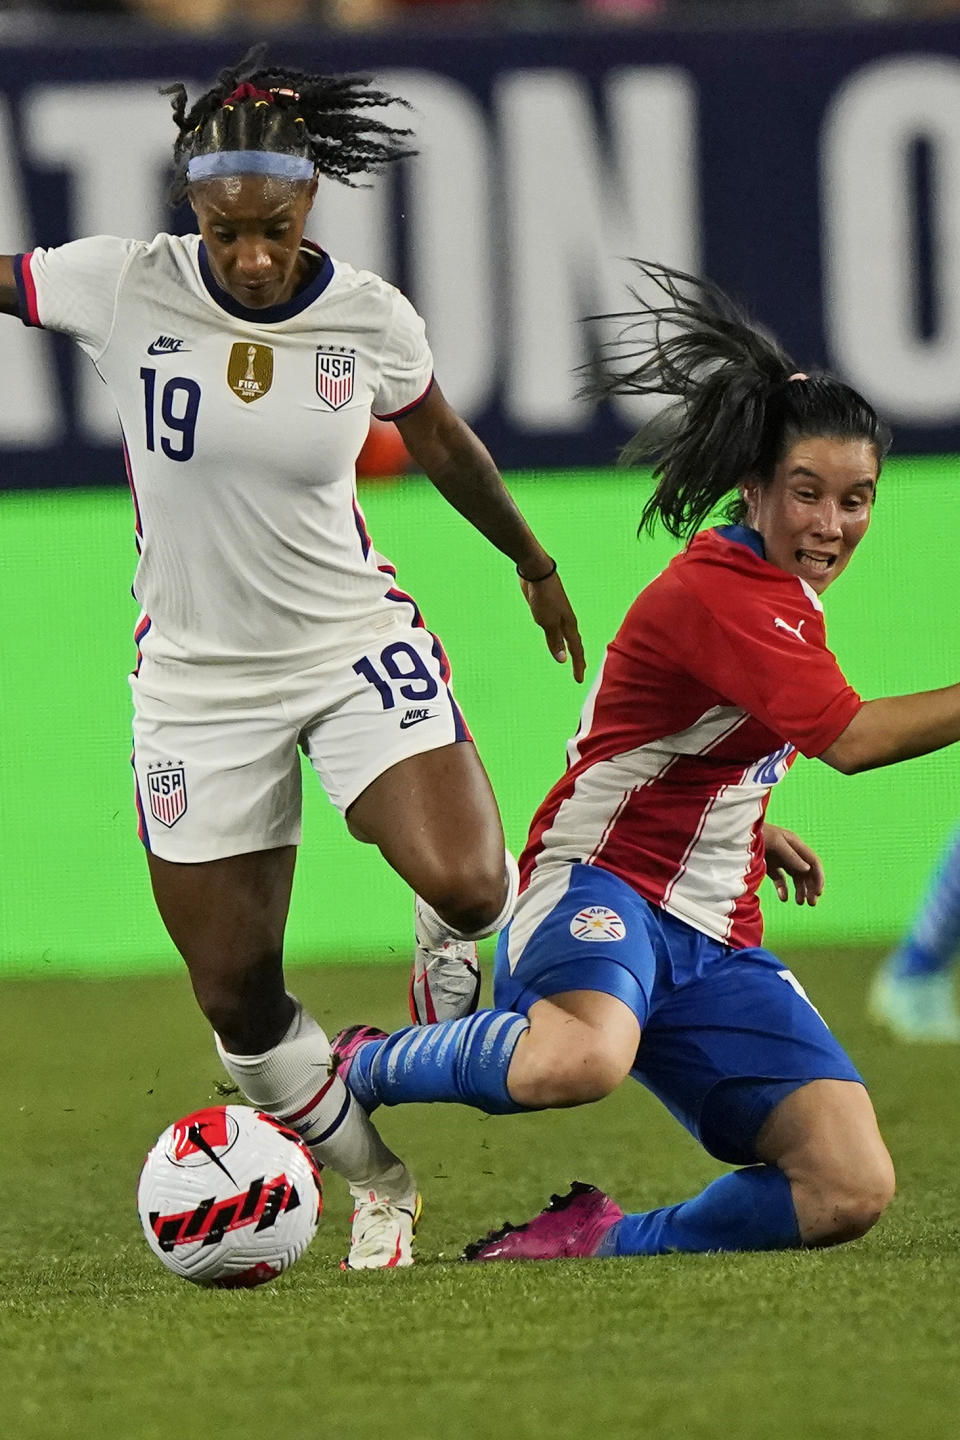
x,y
250,162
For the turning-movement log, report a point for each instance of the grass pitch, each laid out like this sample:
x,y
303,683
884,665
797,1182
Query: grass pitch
x,y
96,1339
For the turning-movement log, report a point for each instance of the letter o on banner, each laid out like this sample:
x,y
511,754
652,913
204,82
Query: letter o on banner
x,y
870,260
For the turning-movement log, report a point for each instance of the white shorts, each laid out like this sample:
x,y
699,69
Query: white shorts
x,y
216,749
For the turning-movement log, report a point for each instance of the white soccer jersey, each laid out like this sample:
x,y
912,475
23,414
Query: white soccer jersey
x,y
241,429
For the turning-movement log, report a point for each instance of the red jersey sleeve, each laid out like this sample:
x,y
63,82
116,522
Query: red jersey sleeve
x,y
756,637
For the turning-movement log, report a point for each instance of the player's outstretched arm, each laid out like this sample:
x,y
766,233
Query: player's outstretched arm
x,y
461,468
899,727
9,303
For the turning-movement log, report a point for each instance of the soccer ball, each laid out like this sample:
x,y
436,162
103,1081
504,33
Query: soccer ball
x,y
229,1197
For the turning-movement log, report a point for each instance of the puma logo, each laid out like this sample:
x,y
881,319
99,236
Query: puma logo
x,y
793,629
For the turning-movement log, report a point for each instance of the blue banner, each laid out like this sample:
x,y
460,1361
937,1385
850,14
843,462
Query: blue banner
x,y
815,174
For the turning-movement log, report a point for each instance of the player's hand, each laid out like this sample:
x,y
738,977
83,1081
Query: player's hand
x,y
553,612
788,858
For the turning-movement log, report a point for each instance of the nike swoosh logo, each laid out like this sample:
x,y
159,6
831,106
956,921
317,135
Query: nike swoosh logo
x,y
407,721
196,1136
155,349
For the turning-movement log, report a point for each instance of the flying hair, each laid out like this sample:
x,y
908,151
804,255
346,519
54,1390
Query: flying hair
x,y
736,400
322,119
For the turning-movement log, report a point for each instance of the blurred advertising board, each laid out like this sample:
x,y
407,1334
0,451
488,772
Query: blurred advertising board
x,y
816,174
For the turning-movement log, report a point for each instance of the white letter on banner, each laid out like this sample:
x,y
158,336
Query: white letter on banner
x,y
448,251
29,411
352,223
572,217
119,171
449,248
869,264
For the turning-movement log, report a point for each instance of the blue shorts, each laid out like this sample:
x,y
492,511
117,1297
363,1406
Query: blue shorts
x,y
727,1034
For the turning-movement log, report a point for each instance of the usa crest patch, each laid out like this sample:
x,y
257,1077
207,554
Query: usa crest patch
x,y
336,368
167,791
597,922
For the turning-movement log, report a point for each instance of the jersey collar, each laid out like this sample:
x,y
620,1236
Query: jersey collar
x,y
744,535
273,313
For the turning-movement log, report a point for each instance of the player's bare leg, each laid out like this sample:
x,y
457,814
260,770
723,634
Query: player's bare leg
x,y
571,1049
824,1138
227,918
434,818
825,1178
580,1046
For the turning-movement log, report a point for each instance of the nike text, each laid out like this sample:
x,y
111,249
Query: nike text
x,y
165,345
413,717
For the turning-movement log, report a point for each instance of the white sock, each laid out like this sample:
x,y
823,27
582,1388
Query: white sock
x,y
293,1082
438,931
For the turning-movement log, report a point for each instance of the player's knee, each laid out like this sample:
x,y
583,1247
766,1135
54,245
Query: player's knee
x,y
469,896
849,1205
577,1073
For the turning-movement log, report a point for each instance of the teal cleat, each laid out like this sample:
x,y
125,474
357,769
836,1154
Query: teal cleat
x,y
918,1009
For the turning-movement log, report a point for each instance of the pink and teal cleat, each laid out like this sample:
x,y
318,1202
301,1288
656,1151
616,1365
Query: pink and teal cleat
x,y
571,1226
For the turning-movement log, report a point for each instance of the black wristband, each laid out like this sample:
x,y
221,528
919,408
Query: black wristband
x,y
535,580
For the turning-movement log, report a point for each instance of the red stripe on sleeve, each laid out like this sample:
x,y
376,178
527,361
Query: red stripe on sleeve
x,y
405,409
27,288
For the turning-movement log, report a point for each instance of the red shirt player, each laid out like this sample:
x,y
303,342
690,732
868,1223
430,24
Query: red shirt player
x,y
719,673
635,945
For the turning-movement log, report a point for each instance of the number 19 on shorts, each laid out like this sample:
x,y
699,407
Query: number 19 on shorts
x,y
398,668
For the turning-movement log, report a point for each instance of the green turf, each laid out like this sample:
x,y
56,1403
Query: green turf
x,y
97,1340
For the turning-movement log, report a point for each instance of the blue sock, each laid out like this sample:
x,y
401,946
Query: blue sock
x,y
933,942
464,1061
749,1209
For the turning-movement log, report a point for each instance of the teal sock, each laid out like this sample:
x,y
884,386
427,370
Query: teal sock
x,y
933,942
749,1209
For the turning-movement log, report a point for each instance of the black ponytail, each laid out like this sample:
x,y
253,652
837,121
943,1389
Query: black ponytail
x,y
737,400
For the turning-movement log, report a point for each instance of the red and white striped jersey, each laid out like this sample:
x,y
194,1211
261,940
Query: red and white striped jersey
x,y
718,675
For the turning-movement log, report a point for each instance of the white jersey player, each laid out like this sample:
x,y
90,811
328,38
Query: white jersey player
x,y
244,365
241,428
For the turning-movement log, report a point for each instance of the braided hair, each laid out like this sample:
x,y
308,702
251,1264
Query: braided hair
x,y
738,403
317,117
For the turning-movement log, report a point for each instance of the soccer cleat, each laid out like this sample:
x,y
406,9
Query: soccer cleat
x,y
571,1226
915,1008
348,1041
382,1234
345,1045
445,980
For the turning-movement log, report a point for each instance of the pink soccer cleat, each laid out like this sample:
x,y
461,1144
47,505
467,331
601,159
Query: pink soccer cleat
x,y
345,1045
571,1226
